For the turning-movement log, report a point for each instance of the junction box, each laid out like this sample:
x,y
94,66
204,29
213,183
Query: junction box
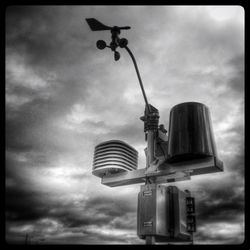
x,y
166,213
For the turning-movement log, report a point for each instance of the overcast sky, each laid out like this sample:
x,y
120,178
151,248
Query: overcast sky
x,y
64,96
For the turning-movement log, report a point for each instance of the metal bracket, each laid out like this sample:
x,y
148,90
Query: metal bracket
x,y
165,173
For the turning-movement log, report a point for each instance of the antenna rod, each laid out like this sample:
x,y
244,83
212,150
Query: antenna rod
x,y
139,77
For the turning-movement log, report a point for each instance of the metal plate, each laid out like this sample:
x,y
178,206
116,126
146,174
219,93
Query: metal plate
x,y
151,216
168,173
178,213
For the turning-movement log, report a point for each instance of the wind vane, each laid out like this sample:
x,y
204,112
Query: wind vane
x,y
165,213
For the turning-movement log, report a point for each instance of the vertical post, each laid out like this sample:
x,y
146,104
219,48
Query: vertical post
x,y
150,240
26,239
150,147
192,238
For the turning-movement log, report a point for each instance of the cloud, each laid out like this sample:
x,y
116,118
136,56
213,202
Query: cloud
x,y
220,233
63,96
220,205
236,81
98,217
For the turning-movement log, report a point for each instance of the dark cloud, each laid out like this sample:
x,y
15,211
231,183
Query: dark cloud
x,y
40,33
220,202
23,206
26,207
216,208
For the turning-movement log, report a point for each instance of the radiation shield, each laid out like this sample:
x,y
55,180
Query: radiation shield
x,y
112,157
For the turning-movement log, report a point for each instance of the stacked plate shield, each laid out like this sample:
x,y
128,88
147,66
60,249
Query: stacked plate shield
x,y
114,157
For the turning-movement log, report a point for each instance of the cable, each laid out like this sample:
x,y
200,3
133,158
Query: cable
x,y
139,77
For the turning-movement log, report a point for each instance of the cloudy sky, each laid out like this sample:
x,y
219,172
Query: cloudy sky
x,y
64,96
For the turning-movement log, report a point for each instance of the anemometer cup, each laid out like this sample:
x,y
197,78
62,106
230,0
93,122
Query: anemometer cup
x,y
123,42
100,44
117,55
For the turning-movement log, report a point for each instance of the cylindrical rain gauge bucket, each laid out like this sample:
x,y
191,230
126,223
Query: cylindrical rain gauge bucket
x,y
190,133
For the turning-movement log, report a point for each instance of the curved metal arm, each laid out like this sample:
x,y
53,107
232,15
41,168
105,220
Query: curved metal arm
x,y
139,77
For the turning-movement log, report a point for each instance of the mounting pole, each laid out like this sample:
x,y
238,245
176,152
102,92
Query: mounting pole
x,y
151,116
150,240
150,135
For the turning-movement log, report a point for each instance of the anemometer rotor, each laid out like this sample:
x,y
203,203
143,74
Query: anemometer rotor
x,y
115,31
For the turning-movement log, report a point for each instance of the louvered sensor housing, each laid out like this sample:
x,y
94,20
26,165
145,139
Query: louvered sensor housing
x,y
114,156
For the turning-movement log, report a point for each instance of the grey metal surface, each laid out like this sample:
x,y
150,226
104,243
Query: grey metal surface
x,y
178,214
190,133
151,216
162,213
168,173
113,157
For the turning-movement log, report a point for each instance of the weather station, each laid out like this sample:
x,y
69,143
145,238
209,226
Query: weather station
x,y
165,214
